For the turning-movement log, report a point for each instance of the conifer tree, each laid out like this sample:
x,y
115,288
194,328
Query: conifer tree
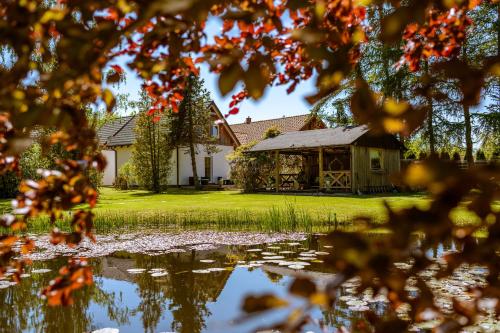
x,y
191,125
152,148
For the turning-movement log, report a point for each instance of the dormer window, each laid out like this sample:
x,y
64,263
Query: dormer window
x,y
214,131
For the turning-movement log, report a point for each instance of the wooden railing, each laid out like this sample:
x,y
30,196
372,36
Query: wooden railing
x,y
340,180
287,180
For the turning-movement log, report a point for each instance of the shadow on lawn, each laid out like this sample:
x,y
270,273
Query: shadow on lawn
x,y
415,195
134,193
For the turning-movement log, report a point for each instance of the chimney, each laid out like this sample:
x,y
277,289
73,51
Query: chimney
x,y
248,121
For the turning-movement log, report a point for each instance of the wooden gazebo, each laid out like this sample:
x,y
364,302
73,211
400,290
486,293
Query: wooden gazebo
x,y
342,159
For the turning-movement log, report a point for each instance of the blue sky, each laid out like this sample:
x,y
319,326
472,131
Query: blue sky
x,y
274,104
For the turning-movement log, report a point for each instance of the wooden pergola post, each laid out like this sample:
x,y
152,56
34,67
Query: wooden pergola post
x,y
321,175
277,170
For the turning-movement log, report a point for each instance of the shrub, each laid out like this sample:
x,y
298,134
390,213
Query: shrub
x,y
271,132
247,169
444,155
422,155
126,177
410,155
456,156
480,155
496,154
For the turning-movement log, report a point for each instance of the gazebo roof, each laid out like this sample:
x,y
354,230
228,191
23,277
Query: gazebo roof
x,y
339,136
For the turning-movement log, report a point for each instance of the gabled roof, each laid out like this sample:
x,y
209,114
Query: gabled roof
x,y
254,131
118,132
339,136
124,136
121,132
234,137
111,128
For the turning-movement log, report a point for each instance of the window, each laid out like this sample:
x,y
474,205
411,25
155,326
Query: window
x,y
375,159
208,167
214,131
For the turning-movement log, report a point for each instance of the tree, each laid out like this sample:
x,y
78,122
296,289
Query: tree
x,y
152,152
191,125
247,169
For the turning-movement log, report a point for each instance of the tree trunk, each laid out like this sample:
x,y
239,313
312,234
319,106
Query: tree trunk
x,y
152,149
192,151
430,119
430,127
467,120
468,135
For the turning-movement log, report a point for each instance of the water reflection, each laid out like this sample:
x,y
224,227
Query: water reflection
x,y
180,301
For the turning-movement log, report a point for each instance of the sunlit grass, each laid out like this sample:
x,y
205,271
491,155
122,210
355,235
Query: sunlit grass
x,y
230,210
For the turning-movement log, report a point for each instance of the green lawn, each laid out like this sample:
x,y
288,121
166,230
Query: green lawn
x,y
186,200
232,210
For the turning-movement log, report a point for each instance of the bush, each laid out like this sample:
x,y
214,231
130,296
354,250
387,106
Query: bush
x,y
247,169
126,177
422,155
410,155
444,155
271,132
496,154
480,155
30,161
8,185
456,156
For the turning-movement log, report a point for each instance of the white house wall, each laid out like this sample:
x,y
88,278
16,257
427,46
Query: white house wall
x,y
123,155
220,165
110,170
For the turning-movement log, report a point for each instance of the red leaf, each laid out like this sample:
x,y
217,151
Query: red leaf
x,y
117,69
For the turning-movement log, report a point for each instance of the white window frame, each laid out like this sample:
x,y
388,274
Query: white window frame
x,y
212,131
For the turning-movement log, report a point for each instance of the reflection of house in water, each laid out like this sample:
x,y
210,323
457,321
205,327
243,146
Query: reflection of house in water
x,y
183,293
116,268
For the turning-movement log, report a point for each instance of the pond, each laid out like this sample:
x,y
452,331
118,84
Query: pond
x,y
187,290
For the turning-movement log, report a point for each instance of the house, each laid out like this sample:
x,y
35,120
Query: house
x,y
349,159
117,138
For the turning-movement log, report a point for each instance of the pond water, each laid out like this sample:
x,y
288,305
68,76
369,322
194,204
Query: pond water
x,y
186,291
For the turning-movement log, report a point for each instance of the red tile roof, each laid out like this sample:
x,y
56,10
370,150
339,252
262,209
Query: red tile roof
x,y
255,130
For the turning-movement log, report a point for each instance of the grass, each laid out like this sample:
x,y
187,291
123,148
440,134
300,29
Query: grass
x,y
232,210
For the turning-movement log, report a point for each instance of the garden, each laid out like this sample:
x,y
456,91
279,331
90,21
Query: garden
x,y
377,211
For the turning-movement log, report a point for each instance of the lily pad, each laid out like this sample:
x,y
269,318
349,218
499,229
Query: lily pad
x,y
207,261
201,271
40,271
216,269
273,257
296,266
158,274
136,270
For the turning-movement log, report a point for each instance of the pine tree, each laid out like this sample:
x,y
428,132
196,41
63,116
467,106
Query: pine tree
x,y
191,125
152,149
